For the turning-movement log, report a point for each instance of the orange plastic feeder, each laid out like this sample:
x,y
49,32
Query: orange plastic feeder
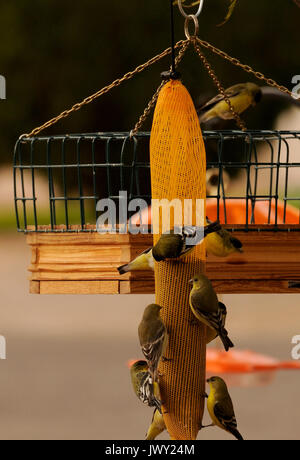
x,y
233,211
245,368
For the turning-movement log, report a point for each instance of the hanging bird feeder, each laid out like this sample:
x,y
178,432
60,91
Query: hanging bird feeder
x,y
70,256
71,253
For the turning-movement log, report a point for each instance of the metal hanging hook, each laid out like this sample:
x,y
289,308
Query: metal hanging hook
x,y
194,19
181,9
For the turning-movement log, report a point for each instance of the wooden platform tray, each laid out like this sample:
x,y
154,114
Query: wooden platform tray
x,y
86,263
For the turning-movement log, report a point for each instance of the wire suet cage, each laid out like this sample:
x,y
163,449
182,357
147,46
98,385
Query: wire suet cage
x,y
82,169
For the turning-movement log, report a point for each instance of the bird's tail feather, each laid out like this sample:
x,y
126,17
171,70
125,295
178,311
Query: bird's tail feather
x,y
236,434
123,269
226,340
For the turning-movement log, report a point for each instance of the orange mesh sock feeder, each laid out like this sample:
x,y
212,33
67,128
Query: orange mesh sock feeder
x,y
178,171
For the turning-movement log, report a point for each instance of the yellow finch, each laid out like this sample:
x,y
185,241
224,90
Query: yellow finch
x,y
171,245
242,96
220,407
144,387
206,307
157,426
222,243
153,337
211,334
179,242
143,262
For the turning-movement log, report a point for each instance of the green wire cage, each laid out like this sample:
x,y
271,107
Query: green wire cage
x,y
81,169
252,190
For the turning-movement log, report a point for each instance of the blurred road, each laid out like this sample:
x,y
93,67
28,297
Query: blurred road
x,y
65,376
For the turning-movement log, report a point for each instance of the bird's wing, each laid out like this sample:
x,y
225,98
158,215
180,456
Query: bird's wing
x,y
214,318
153,349
225,414
230,92
236,243
169,246
146,251
147,391
198,234
223,311
190,232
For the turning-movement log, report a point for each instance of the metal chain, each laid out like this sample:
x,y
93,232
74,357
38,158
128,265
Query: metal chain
x,y
182,45
247,68
241,124
104,90
147,111
153,101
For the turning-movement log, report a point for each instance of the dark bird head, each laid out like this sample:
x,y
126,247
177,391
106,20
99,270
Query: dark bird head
x,y
139,366
237,244
256,92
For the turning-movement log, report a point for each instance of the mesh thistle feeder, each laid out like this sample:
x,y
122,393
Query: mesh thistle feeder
x,y
69,256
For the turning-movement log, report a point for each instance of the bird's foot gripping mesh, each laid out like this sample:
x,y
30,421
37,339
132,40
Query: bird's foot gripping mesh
x,y
178,171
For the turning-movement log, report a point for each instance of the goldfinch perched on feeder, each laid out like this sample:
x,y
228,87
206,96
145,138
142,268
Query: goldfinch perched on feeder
x,y
146,390
157,426
171,245
143,262
242,96
153,338
207,309
222,243
220,407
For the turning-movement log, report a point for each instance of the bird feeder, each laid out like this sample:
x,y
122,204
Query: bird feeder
x,y
71,254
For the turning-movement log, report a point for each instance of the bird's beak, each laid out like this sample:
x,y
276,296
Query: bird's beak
x,y
208,380
191,282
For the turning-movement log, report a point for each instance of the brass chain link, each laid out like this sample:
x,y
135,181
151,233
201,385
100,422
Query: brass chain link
x,y
241,124
246,68
153,101
182,45
104,90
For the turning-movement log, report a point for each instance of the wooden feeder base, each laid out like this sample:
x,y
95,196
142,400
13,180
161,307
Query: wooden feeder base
x,y
86,263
